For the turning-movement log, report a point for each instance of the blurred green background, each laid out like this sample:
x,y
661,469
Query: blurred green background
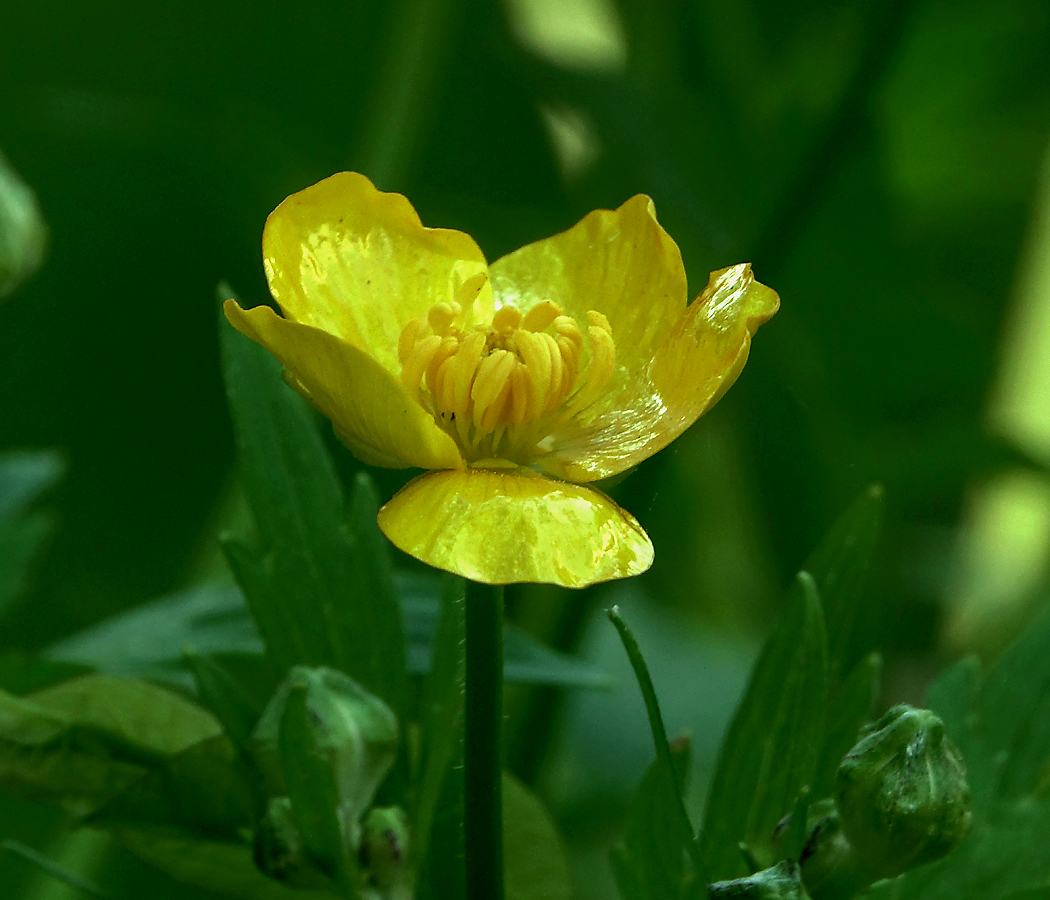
x,y
882,164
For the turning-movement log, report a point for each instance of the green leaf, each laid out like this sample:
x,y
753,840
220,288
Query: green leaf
x,y
83,742
21,674
313,792
443,711
770,750
199,791
1001,728
24,476
839,565
227,700
1015,713
56,871
536,866
213,618
674,875
316,586
220,867
149,640
852,706
649,862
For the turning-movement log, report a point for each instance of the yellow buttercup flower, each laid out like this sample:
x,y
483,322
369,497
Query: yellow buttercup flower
x,y
564,362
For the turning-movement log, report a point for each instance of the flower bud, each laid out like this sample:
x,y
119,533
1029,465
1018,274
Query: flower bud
x,y
902,794
279,851
781,882
384,852
357,734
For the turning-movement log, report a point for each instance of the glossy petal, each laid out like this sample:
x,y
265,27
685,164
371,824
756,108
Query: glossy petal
x,y
356,262
370,410
698,360
618,262
500,526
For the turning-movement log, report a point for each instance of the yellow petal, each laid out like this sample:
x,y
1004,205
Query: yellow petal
x,y
699,359
501,526
351,260
619,262
370,410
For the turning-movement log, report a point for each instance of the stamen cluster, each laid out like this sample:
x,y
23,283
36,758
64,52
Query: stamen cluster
x,y
500,388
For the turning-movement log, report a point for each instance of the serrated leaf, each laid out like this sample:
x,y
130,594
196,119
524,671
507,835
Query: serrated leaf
x,y
536,866
770,750
672,874
314,585
851,707
214,866
649,862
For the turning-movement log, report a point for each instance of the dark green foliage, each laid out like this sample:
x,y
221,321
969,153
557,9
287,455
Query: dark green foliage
x,y
213,619
658,858
438,846
852,706
1000,726
23,531
878,162
651,861
319,590
771,750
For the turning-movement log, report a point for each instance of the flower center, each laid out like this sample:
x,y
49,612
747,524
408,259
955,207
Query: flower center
x,y
500,389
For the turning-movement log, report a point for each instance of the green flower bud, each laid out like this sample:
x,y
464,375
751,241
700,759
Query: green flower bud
x,y
358,736
384,853
902,794
782,882
829,863
279,851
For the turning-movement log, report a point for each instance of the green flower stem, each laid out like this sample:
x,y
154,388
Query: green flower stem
x,y
483,764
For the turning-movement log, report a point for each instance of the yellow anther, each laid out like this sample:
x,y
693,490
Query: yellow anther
x,y
520,385
417,362
445,349
506,319
464,367
554,390
566,326
537,361
406,343
597,320
468,291
541,315
496,414
442,315
500,390
493,376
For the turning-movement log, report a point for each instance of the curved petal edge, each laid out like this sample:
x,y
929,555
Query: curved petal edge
x,y
500,526
370,410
